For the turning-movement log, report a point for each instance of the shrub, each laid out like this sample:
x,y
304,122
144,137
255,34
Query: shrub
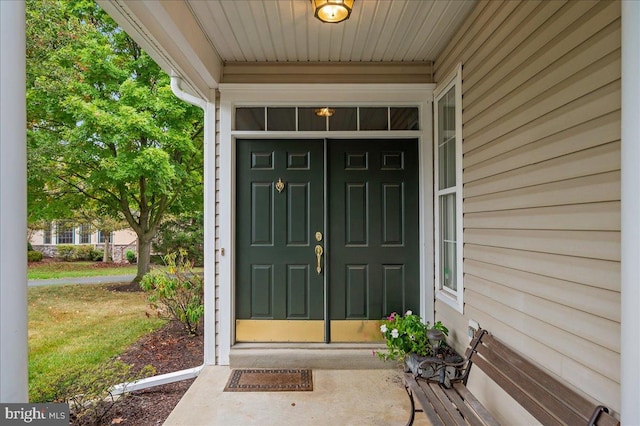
x,y
97,255
184,232
177,289
66,252
83,252
29,246
34,256
91,396
131,256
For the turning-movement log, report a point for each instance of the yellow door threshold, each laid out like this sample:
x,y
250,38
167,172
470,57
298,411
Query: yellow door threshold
x,y
307,331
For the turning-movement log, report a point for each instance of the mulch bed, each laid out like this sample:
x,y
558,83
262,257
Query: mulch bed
x,y
167,349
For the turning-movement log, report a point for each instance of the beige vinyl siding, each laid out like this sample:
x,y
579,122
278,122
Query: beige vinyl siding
x,y
541,173
584,216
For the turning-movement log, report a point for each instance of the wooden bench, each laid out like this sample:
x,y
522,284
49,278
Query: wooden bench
x,y
547,399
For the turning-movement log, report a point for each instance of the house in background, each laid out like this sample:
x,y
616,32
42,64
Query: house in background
x,y
56,233
474,161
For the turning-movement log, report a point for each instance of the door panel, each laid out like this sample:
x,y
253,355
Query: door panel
x,y
261,291
373,221
298,214
298,291
356,214
261,220
276,265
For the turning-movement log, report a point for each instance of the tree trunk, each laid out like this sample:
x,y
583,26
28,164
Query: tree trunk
x,y
107,246
144,257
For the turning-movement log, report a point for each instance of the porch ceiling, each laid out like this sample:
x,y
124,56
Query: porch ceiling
x,y
197,39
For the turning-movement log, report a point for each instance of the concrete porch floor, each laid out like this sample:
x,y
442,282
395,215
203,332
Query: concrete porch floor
x,y
339,397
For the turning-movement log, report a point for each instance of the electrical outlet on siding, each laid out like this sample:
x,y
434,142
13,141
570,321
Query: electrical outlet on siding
x,y
473,327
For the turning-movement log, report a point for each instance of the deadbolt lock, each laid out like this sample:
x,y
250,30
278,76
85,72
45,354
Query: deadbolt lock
x,y
318,236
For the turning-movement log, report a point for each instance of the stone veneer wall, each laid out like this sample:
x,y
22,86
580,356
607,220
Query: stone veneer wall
x,y
118,251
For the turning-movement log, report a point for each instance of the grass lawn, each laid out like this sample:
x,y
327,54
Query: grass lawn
x,y
47,270
75,327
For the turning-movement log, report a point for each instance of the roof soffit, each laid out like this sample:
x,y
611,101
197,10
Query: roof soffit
x,y
169,33
195,39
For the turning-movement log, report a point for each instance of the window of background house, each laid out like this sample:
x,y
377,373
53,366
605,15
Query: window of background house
x,y
64,233
85,233
448,190
101,237
46,238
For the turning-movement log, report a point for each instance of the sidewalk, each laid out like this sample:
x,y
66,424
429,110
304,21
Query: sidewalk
x,y
82,280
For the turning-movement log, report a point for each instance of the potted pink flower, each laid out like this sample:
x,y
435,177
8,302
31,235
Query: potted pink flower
x,y
408,340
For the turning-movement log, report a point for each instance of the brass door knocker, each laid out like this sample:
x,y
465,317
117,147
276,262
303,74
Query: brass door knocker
x,y
280,185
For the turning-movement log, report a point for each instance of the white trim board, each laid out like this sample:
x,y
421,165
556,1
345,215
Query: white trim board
x,y
232,95
455,299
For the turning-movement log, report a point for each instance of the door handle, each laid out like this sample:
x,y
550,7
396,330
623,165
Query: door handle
x,y
319,252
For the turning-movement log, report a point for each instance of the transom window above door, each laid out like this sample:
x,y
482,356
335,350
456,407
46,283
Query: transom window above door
x,y
326,118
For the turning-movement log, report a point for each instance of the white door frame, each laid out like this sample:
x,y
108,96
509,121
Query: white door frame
x,y
335,95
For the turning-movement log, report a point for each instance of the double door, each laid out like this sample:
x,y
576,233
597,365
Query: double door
x,y
327,238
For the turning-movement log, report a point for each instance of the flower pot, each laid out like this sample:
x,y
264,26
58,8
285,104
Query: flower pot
x,y
420,366
442,368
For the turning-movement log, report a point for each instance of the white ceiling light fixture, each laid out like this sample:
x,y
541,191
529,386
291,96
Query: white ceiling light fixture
x,y
332,11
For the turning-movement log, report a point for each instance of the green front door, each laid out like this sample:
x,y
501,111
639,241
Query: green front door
x,y
373,211
325,248
280,207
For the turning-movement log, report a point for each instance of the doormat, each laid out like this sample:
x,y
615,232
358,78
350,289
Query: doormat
x,y
269,380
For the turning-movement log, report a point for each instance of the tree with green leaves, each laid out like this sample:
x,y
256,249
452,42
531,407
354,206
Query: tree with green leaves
x,y
182,233
93,214
103,124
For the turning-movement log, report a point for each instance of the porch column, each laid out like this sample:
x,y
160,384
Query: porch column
x,y
13,205
630,339
210,232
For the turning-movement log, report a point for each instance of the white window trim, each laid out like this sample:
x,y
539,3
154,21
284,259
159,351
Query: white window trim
x,y
447,296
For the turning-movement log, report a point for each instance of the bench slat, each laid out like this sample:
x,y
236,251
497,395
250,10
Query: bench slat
x,y
469,406
482,413
572,400
579,405
418,394
452,411
441,409
525,390
529,403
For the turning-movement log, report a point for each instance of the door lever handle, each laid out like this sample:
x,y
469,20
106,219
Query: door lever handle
x,y
319,252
